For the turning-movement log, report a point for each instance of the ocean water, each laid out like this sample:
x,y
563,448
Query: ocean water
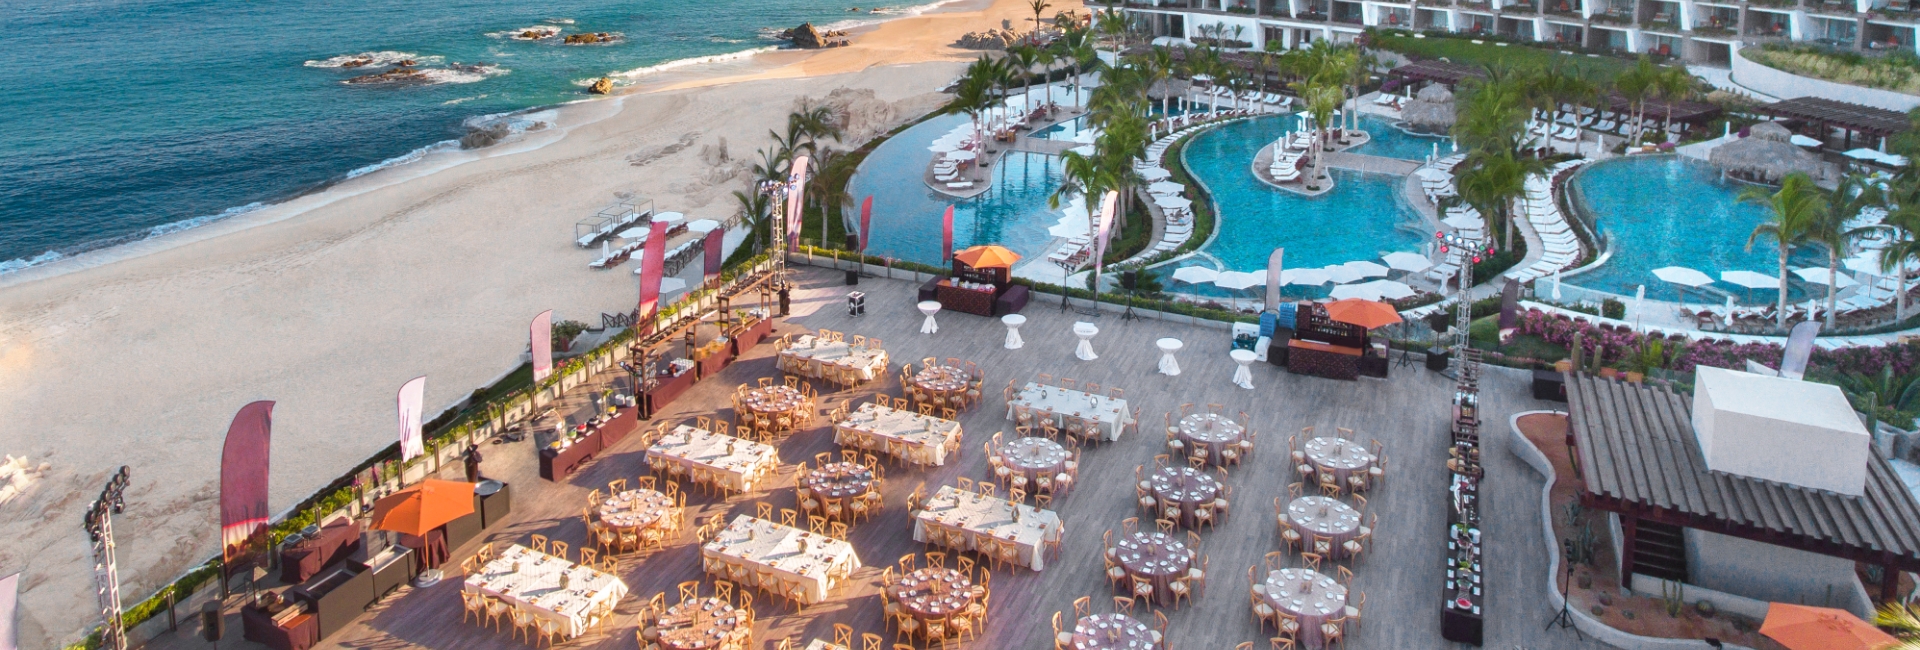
x,y
124,119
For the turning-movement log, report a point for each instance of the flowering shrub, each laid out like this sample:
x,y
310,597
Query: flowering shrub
x,y
1617,344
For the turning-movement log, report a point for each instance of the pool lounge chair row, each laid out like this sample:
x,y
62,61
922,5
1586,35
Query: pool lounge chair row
x,y
1560,248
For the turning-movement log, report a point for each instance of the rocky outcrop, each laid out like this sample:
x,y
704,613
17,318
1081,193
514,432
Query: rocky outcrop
x,y
601,86
591,38
859,113
1431,110
398,75
536,34
807,36
485,135
992,39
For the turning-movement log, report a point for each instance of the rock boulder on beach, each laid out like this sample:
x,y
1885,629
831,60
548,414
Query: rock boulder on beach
x,y
601,86
992,39
809,37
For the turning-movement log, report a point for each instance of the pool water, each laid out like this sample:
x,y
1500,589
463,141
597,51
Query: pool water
x,y
1390,141
906,213
1364,217
1667,211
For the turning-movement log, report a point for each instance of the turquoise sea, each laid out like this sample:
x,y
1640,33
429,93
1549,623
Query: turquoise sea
x,y
124,119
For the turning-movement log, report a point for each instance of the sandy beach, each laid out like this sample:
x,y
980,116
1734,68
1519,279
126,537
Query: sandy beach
x,y
140,355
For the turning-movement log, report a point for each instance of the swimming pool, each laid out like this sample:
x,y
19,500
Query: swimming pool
x,y
1390,141
1364,217
1668,211
906,213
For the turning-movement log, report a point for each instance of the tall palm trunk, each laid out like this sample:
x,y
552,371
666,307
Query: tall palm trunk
x,y
1780,317
1833,266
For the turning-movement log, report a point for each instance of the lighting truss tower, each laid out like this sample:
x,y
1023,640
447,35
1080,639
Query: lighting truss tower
x,y
106,575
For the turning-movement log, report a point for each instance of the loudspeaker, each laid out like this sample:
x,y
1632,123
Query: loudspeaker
x,y
853,242
1128,279
853,277
212,624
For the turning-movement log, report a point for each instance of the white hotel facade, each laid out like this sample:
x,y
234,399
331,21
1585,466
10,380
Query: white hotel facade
x,y
1693,30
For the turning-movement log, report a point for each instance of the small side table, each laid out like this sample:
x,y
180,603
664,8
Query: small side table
x,y
1242,376
1013,323
1168,346
929,307
1086,332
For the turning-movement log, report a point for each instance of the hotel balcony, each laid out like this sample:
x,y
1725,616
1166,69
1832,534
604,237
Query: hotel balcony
x,y
1564,8
1784,4
1833,7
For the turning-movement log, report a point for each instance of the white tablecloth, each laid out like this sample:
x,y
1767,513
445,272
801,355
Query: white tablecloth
x,y
740,468
758,543
955,509
535,587
1110,412
823,645
869,362
926,437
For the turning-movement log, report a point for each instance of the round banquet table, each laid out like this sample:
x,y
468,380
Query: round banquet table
x,y
1155,556
773,400
698,624
932,594
1309,597
1324,517
634,509
1033,457
1101,631
1215,431
1185,488
839,480
945,381
1338,455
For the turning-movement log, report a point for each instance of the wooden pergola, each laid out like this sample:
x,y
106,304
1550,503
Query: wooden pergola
x,y
1634,447
1830,114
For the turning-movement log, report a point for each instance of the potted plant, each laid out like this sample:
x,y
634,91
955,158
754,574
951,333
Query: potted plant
x,y
565,332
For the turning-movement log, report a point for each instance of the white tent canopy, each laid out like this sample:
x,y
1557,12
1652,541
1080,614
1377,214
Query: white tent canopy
x,y
1361,291
703,225
1196,274
1464,222
1304,277
1404,261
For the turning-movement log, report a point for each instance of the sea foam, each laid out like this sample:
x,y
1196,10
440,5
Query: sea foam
x,y
379,59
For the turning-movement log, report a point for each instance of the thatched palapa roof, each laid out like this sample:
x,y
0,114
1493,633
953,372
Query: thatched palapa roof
x,y
1768,154
1431,110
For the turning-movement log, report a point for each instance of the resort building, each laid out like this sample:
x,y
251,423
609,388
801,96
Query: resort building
x,y
1693,30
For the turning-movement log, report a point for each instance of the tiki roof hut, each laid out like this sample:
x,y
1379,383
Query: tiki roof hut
x,y
1431,109
1767,154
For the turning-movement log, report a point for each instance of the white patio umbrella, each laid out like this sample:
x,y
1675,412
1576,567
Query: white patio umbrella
x,y
1867,262
1751,279
1084,150
1432,174
962,155
1195,274
1820,276
703,225
634,233
1366,269
1155,173
942,146
1409,262
1069,228
1803,141
1361,291
1682,276
1175,202
1304,277
1239,279
1166,187
1340,274
1388,289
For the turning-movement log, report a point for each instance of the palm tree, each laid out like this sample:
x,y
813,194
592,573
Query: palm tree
x,y
813,123
1113,25
1493,180
1046,58
1037,6
1636,85
1830,231
1673,84
1903,621
1901,199
1020,59
1159,67
755,208
1796,207
975,92
1321,101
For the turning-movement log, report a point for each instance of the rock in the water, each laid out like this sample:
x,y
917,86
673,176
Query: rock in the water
x,y
590,38
399,75
601,86
1430,111
485,136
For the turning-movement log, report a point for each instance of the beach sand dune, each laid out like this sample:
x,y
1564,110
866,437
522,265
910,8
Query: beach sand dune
x,y
140,355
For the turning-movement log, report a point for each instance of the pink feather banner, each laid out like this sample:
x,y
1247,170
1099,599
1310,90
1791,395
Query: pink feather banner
x,y
243,487
653,264
540,344
946,236
866,222
1108,204
412,406
796,195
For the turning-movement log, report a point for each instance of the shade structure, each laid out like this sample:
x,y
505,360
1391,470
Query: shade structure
x,y
1366,269
1750,279
1166,187
987,256
427,505
1464,222
1195,274
1862,154
1803,141
1388,289
1364,313
703,225
1867,262
1172,202
1409,262
1342,274
1820,276
1432,174
1155,173
1304,277
1239,279
1682,276
1768,153
1799,627
962,155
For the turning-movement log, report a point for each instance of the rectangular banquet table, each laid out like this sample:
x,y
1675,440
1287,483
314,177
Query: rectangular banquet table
x,y
760,544
954,509
535,587
926,438
337,539
1323,359
667,387
692,447
745,337
796,359
1110,412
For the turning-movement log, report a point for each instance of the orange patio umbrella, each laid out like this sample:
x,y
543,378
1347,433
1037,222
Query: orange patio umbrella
x,y
1799,627
421,508
987,256
1365,313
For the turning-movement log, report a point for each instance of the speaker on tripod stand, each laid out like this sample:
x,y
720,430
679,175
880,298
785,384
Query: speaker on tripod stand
x,y
1129,280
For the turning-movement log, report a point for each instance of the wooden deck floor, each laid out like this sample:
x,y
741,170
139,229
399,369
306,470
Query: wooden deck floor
x,y
1402,579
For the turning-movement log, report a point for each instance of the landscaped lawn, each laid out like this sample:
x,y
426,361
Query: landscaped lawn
x,y
1462,50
